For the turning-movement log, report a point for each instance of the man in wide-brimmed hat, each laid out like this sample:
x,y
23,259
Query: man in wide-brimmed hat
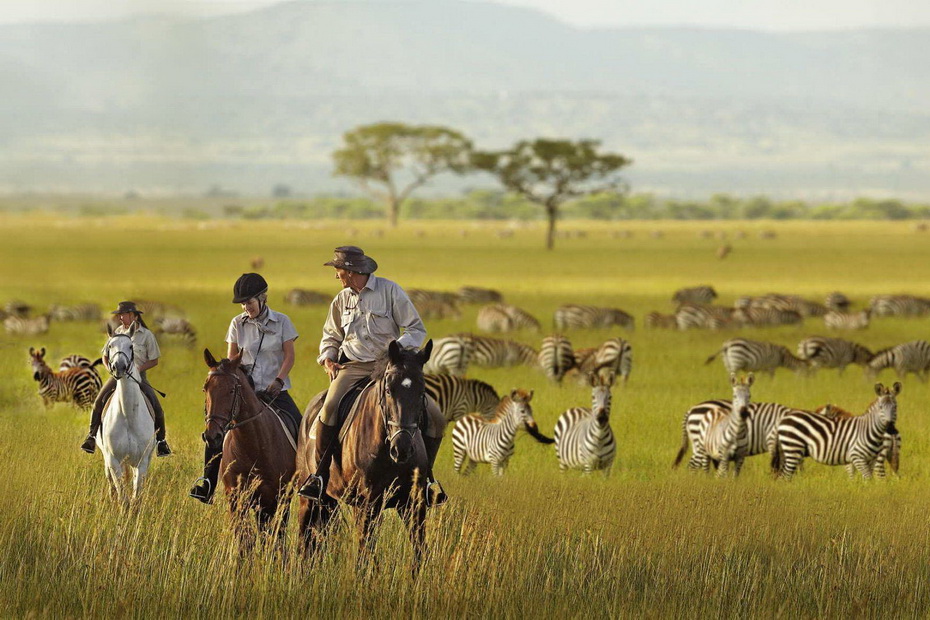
x,y
145,353
364,318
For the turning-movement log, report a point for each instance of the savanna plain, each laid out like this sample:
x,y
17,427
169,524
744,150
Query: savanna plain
x,y
647,541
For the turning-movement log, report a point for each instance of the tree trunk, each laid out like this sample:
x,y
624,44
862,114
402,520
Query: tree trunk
x,y
552,212
393,211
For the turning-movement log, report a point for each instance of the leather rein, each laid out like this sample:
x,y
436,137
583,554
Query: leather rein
x,y
236,406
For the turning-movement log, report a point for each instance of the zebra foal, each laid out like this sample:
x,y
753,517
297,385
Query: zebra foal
x,y
475,440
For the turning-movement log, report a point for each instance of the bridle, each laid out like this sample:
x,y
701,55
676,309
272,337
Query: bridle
x,y
111,360
235,408
398,427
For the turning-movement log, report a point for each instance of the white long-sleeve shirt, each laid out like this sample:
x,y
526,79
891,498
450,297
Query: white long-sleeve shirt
x,y
362,325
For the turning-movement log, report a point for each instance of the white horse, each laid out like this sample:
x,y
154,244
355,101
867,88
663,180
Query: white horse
x,y
127,435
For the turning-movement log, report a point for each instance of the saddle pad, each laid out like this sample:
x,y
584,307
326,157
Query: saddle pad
x,y
345,412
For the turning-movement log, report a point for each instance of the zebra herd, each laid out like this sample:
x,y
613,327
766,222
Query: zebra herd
x,y
720,432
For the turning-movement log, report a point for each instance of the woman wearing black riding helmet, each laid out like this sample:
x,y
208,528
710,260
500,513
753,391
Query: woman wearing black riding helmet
x,y
265,340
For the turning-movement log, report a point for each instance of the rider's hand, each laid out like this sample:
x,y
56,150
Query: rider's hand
x,y
274,389
332,368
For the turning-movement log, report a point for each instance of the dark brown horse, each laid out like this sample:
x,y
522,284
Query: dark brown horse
x,y
258,461
381,462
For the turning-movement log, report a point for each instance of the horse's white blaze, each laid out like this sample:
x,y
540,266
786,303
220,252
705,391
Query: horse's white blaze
x,y
406,383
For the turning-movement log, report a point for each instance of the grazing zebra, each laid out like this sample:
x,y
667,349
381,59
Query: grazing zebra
x,y
26,327
837,301
476,295
908,357
778,301
583,438
475,440
77,361
891,448
556,357
836,440
419,295
899,305
576,316
156,309
451,355
304,297
820,352
835,319
80,312
437,309
742,354
718,415
78,386
692,316
516,318
613,357
703,294
457,396
760,317
657,320
495,353
177,328
17,308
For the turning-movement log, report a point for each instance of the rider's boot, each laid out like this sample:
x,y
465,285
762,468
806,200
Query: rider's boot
x,y
90,443
314,488
435,495
205,486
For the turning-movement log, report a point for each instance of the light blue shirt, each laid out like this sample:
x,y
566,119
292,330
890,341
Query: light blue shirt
x,y
261,343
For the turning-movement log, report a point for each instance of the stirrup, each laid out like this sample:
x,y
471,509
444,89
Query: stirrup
x,y
313,488
196,494
440,497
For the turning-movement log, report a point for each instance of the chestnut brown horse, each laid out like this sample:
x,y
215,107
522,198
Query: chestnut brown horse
x,y
381,463
258,461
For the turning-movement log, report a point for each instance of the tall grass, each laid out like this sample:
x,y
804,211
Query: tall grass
x,y
647,541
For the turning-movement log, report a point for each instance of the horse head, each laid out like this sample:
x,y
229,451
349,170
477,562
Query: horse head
x,y
226,389
403,398
118,352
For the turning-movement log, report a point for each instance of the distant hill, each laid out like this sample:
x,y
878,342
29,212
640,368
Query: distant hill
x,y
249,100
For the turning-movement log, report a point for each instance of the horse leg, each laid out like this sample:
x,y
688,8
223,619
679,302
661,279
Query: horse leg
x,y
313,520
414,516
368,520
138,477
115,473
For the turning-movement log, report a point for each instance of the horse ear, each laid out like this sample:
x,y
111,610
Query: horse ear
x,y
394,352
109,329
427,350
209,359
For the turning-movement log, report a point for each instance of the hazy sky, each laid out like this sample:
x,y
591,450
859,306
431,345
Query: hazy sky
x,y
752,14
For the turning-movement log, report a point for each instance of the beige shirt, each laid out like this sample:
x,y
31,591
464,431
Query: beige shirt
x,y
144,346
261,342
362,325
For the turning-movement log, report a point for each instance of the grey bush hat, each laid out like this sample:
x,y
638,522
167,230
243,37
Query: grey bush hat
x,y
352,258
125,307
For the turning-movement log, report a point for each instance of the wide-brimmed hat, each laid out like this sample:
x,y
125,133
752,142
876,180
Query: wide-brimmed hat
x,y
126,306
352,258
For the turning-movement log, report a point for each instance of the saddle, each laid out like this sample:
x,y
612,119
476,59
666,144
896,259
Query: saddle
x,y
348,407
148,406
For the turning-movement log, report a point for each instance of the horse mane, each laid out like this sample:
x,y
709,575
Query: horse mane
x,y
382,363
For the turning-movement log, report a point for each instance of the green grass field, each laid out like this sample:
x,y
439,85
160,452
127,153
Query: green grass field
x,y
647,541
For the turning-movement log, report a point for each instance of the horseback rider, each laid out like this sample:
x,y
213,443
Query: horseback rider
x,y
365,316
265,339
145,355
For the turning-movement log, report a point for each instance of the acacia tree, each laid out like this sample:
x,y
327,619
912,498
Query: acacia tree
x,y
550,172
391,160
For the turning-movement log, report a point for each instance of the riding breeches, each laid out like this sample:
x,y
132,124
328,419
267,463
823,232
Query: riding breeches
x,y
104,395
352,373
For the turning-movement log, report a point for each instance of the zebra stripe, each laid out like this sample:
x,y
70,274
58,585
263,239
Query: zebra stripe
x,y
753,355
76,385
505,318
26,327
494,352
475,440
583,437
476,295
822,352
656,320
556,357
80,312
837,301
451,355
843,320
695,295
836,440
760,317
457,396
908,357
899,305
176,328
77,361
575,316
614,357
17,308
891,445
778,301
691,316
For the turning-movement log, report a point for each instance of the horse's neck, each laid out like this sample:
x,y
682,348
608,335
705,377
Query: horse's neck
x,y
129,394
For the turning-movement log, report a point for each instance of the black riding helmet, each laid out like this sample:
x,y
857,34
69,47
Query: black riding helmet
x,y
248,285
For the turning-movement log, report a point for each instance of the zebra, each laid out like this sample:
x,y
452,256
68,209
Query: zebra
x,y
576,316
457,396
899,305
519,318
727,418
657,320
494,319
77,361
78,386
556,357
494,353
836,440
613,356
421,296
476,295
451,355
438,309
837,301
583,437
703,294
17,308
835,319
26,327
475,440
891,444
80,312
176,328
742,354
908,357
820,352
690,316
304,297
758,317
159,309
779,301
